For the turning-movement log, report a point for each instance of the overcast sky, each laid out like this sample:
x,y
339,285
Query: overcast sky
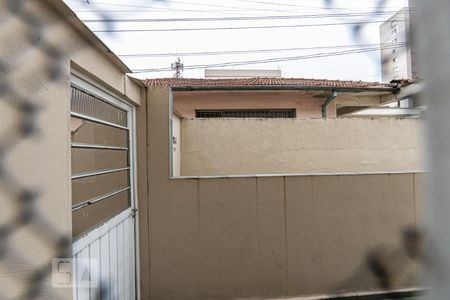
x,y
356,66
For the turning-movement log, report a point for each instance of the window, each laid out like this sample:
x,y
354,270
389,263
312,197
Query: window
x,y
100,160
395,59
394,51
246,113
394,31
395,72
394,41
394,25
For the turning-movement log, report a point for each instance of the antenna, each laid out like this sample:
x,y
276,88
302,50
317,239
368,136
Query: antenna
x,y
178,67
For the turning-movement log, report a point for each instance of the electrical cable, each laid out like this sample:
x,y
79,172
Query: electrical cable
x,y
168,9
249,18
251,51
270,60
236,28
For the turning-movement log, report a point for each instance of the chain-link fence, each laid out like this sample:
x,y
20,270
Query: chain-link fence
x,y
23,196
21,103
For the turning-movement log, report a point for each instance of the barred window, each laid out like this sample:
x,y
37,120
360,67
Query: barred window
x,y
100,161
246,113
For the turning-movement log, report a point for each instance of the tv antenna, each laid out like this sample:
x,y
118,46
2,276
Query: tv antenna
x,y
178,67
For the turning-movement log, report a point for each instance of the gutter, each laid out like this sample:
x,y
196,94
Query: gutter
x,y
330,99
283,87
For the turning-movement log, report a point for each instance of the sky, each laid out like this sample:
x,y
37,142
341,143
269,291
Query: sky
x,y
307,26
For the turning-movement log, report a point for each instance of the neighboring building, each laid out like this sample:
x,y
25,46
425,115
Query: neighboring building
x,y
274,97
397,63
265,126
235,73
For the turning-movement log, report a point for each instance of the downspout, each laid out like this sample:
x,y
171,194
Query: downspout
x,y
330,99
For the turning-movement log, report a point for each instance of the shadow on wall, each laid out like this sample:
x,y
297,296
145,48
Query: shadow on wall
x,y
390,267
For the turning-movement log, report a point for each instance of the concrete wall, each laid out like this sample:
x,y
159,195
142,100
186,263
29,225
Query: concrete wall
x,y
258,237
41,162
307,104
284,146
143,194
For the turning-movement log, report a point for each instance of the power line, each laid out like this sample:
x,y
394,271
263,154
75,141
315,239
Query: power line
x,y
172,9
237,28
308,6
157,10
179,9
117,4
250,18
165,9
292,5
231,52
222,6
150,7
238,8
269,60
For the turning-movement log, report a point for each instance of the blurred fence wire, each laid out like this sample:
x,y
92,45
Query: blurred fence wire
x,y
434,49
23,197
357,30
390,266
15,192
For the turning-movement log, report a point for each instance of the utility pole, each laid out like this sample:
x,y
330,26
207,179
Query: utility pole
x,y
178,67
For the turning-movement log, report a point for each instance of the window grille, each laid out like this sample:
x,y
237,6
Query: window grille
x,y
94,107
100,161
246,113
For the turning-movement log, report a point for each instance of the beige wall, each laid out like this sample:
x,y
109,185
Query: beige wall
x,y
143,203
292,146
258,237
306,104
41,162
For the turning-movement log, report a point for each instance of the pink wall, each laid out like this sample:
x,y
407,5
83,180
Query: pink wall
x,y
308,106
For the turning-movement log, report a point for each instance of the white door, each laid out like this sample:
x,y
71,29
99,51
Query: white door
x,y
104,261
103,194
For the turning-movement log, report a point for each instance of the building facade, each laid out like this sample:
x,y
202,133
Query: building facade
x,y
401,61
274,97
267,125
396,62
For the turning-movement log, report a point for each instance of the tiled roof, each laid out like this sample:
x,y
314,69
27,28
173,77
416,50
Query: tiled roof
x,y
191,82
